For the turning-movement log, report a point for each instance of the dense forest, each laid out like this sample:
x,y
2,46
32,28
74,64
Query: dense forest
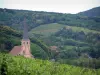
x,y
14,19
76,36
94,12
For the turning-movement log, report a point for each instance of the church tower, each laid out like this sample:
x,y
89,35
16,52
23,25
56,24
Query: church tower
x,y
25,43
24,49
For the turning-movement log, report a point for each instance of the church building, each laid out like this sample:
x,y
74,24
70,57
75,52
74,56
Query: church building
x,y
24,49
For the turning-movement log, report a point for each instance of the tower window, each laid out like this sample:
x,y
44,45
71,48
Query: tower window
x,y
27,42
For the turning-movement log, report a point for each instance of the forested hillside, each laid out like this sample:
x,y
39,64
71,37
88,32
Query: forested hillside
x,y
76,37
10,38
76,45
14,19
94,12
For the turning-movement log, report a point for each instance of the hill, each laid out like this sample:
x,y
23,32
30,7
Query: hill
x,y
10,65
62,37
73,42
92,12
76,37
10,38
49,29
46,30
14,18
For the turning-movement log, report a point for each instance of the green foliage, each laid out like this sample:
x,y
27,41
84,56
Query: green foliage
x,y
75,35
4,69
38,52
42,45
19,65
8,38
73,42
14,19
92,12
47,30
79,29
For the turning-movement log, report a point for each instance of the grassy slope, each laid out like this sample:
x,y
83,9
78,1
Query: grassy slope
x,y
47,29
68,47
78,29
54,27
24,66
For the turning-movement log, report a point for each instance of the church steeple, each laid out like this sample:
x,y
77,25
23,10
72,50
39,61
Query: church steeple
x,y
25,41
24,49
25,30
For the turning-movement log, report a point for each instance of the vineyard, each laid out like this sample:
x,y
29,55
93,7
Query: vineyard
x,y
18,65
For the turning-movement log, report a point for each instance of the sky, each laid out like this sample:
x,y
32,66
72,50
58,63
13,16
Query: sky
x,y
61,6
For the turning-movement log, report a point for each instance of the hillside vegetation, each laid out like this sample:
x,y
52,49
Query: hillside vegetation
x,y
94,12
75,43
49,29
46,30
23,66
14,18
76,38
10,38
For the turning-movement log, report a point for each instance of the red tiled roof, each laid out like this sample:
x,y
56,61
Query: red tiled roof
x,y
15,50
53,47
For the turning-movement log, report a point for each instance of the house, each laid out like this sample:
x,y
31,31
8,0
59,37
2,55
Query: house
x,y
54,48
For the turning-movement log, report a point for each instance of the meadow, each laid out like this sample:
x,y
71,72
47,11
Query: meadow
x,y
48,29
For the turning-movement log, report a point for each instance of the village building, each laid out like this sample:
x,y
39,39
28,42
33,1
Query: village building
x,y
54,48
24,49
